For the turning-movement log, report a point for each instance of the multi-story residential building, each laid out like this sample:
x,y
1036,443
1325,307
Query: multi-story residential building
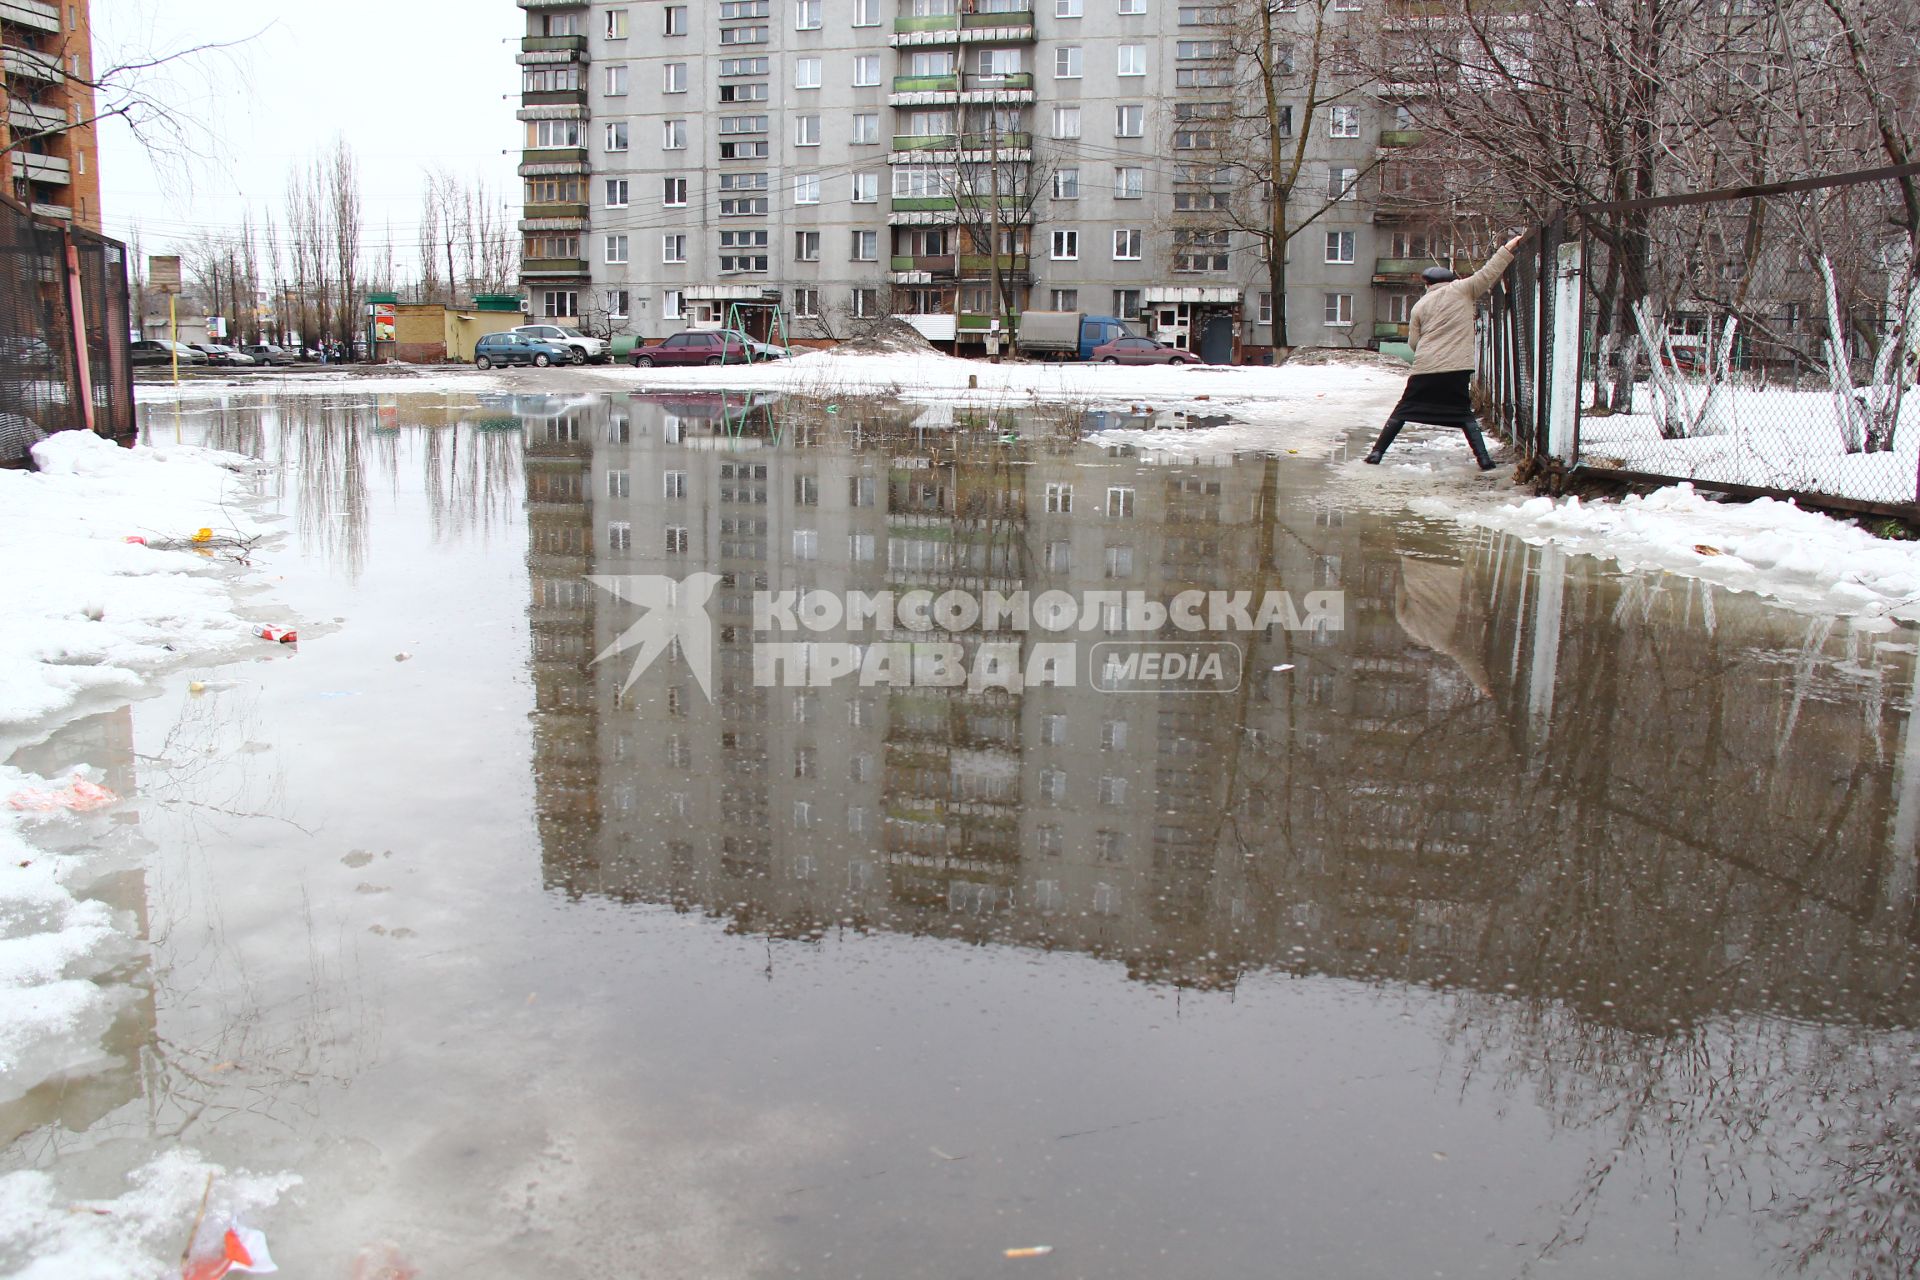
x,y
46,66
836,158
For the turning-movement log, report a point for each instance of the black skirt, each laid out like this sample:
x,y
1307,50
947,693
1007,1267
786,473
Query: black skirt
x,y
1437,399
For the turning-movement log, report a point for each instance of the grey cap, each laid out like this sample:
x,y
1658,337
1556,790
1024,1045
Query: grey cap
x,y
1437,275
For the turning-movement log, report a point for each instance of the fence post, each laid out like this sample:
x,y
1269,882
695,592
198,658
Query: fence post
x,y
1563,357
77,304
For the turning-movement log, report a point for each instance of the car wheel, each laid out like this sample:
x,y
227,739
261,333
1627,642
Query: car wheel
x,y
579,356
540,360
643,362
1110,360
713,359
481,362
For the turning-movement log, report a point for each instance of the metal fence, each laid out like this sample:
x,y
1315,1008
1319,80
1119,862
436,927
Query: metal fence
x,y
64,327
1758,341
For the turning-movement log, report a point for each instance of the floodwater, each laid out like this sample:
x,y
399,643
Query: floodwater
x,y
1540,919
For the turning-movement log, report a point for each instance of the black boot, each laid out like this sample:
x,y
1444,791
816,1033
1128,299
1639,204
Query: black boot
x,y
1387,433
1478,443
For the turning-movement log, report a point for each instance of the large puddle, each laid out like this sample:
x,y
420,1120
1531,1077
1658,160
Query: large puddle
x,y
1537,919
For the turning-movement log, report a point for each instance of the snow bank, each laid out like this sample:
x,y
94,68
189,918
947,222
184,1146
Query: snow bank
x,y
46,1235
1776,549
87,612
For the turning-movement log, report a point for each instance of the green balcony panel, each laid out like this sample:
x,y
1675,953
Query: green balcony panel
x,y
1400,137
1386,329
987,142
554,211
923,141
555,98
553,266
926,84
976,21
928,22
554,155
921,204
553,44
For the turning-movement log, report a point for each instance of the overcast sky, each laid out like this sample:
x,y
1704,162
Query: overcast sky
x,y
410,84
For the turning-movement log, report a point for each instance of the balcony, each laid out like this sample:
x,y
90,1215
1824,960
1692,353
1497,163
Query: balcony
x,y
560,210
553,155
31,14
551,268
981,264
34,66
953,28
1387,331
922,204
925,141
936,264
1407,270
30,117
1400,137
551,44
552,4
48,169
926,84
555,98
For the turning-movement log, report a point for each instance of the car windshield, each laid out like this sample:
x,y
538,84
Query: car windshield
x,y
571,333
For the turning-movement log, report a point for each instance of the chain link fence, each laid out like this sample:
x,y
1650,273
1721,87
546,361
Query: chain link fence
x,y
65,362
1511,395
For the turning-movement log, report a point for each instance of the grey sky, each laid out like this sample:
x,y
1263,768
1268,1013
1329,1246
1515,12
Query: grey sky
x,y
410,84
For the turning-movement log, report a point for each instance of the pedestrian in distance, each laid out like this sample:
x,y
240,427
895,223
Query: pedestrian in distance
x,y
1440,331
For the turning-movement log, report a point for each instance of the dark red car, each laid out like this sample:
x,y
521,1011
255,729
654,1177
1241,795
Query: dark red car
x,y
1142,351
693,346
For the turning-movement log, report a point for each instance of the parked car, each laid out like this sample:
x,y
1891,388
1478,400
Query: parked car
x,y
267,353
515,348
579,347
220,353
697,346
29,351
1142,351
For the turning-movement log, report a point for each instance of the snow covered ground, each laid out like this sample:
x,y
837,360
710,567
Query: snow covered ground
x,y
90,615
1767,437
1800,558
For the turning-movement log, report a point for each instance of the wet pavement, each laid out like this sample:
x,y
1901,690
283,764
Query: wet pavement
x,y
1540,918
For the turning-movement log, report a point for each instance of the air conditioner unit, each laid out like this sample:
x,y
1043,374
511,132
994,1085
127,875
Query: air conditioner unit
x,y
526,306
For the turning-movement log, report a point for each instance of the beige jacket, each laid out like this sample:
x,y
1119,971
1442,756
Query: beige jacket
x,y
1440,331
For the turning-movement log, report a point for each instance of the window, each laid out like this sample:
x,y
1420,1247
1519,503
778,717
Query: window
x,y
617,81
1066,62
673,191
866,69
1133,6
1059,499
616,135
558,133
806,304
1339,246
806,15
1126,303
1119,562
1265,314
866,246
931,62
1129,183
1127,243
1066,122
1066,8
744,66
619,484
1343,122
1133,60
676,19
921,181
806,73
616,249
866,302
743,35
616,24
673,304
730,125
866,188
1065,299
1120,507
1129,120
1066,184
806,131
673,248
743,92
553,247
866,127
673,135
673,78
743,250
677,541
1341,181
866,13
1066,246
1338,310
806,246
806,188
1199,251
617,193
560,303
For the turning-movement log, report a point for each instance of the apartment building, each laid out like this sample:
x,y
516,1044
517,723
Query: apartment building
x,y
46,59
847,159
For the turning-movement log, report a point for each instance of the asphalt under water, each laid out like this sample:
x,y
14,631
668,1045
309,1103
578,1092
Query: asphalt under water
x,y
1541,917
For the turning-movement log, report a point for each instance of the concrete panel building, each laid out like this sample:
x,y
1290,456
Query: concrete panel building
x,y
835,158
46,109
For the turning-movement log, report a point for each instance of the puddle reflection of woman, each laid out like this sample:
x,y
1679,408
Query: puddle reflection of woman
x,y
1440,331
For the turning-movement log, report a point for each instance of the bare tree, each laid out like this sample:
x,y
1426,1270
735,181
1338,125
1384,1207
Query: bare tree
x,y
342,183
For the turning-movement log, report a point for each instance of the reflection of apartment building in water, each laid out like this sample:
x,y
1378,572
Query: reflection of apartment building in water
x,y
1412,795
921,157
